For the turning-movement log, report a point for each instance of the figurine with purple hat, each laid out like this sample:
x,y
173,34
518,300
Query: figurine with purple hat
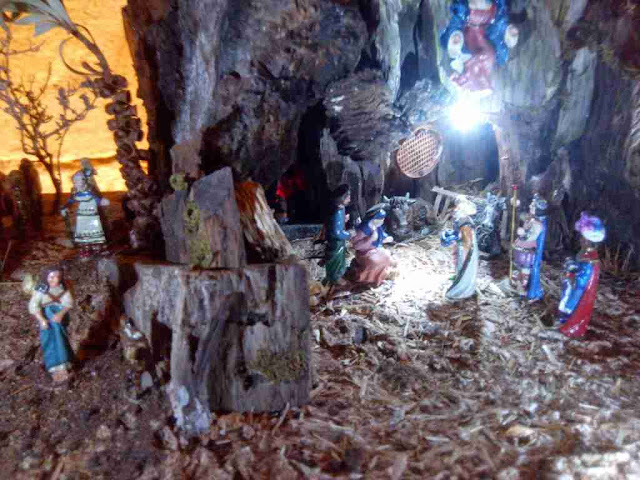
x,y
580,285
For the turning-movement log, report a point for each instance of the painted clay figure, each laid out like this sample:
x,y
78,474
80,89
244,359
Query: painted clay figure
x,y
478,36
50,304
580,286
527,251
89,173
372,263
488,224
465,250
336,237
88,233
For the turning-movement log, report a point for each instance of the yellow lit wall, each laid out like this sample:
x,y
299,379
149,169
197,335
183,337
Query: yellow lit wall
x,y
90,138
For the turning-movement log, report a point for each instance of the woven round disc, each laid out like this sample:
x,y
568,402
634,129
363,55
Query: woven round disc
x,y
420,153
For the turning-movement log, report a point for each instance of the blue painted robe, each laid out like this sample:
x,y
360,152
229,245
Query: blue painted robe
x,y
336,250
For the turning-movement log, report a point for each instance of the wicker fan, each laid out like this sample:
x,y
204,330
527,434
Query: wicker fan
x,y
420,153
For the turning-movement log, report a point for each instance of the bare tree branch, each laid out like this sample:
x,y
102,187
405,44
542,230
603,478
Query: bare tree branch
x,y
41,136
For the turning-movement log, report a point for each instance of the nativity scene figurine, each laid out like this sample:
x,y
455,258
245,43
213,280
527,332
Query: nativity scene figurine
x,y
465,250
88,231
50,304
372,263
336,236
478,37
528,251
580,284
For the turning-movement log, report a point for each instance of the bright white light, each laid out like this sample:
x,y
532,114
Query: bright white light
x,y
466,114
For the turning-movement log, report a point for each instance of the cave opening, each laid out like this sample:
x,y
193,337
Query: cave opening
x,y
299,195
470,158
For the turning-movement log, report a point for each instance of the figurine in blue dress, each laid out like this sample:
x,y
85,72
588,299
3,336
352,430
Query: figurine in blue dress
x,y
527,252
50,304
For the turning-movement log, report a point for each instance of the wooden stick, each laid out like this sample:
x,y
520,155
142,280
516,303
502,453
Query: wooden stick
x,y
26,387
514,201
5,256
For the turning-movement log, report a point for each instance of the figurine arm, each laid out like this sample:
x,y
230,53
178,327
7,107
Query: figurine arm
x,y
448,237
35,309
63,210
531,236
338,226
360,241
384,236
467,237
452,38
511,36
67,304
581,280
455,44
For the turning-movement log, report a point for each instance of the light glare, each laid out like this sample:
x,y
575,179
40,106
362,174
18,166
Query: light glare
x,y
466,114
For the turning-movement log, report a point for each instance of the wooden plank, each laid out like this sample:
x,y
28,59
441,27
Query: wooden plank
x,y
445,209
436,205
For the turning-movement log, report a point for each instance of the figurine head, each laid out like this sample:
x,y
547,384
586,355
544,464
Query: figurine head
x,y
87,168
538,206
464,208
341,196
52,277
79,182
591,228
373,219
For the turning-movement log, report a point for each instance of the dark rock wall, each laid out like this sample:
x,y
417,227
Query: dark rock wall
x,y
601,162
327,84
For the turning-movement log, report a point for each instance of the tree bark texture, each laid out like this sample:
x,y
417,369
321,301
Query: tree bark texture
x,y
238,339
202,227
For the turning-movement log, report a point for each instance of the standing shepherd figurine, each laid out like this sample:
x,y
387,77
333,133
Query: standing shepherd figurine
x,y
465,251
372,263
50,304
527,251
336,237
88,233
580,286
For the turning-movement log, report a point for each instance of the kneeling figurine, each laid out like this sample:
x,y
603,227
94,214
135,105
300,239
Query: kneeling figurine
x,y
372,263
50,304
580,285
465,251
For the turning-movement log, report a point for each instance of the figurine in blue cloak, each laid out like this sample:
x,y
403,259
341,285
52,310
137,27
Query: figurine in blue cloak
x,y
527,251
478,36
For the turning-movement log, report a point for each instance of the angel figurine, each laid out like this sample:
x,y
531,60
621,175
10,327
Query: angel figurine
x,y
478,36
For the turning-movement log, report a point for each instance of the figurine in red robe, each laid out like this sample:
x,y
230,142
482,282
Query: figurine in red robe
x,y
580,286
